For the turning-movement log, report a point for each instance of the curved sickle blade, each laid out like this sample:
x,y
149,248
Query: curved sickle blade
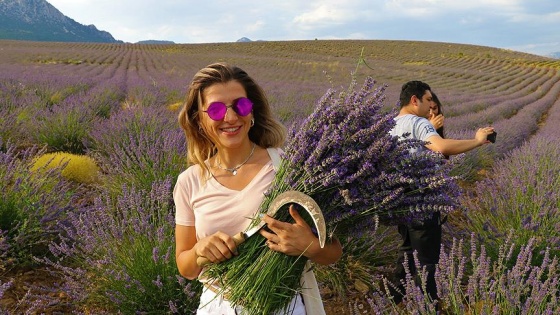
x,y
308,204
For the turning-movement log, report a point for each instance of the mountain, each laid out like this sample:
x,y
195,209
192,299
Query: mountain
x,y
555,55
247,40
155,41
38,20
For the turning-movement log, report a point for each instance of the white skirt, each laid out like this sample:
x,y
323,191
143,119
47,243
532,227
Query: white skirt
x,y
215,304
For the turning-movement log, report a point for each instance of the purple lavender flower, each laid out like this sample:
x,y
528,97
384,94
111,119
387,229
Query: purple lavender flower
x,y
4,287
33,206
122,244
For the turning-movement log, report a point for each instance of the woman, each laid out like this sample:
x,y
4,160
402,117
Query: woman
x,y
436,115
231,136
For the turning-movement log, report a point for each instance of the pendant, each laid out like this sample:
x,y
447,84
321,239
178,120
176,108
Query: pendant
x,y
234,172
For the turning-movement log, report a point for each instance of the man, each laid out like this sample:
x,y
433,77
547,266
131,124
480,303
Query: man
x,y
424,238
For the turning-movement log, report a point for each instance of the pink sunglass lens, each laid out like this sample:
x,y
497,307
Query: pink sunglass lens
x,y
217,111
243,106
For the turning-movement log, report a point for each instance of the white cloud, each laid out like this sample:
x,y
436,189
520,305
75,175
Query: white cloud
x,y
549,17
256,26
471,19
434,8
319,14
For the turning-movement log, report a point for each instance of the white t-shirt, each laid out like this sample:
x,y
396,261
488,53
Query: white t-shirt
x,y
211,207
416,127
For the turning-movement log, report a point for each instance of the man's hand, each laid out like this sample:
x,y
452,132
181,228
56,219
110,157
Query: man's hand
x,y
482,135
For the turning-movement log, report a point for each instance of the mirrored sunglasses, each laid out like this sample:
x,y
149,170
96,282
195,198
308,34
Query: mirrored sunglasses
x,y
241,106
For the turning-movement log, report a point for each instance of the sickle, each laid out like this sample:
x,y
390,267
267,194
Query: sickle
x,y
284,198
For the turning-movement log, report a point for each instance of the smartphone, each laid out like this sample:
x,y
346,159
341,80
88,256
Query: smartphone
x,y
492,137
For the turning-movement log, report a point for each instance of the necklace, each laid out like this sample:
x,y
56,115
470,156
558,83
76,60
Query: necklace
x,y
233,170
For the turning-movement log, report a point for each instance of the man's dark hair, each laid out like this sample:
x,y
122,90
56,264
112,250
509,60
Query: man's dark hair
x,y
410,88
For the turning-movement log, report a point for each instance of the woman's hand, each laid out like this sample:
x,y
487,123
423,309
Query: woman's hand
x,y
217,247
437,121
291,239
296,238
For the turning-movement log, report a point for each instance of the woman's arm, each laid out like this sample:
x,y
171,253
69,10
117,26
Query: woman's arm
x,y
329,254
216,248
185,255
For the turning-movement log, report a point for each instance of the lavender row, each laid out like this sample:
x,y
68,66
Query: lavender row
x,y
524,184
514,131
481,76
508,86
136,147
521,195
470,282
505,78
548,124
502,107
33,206
125,246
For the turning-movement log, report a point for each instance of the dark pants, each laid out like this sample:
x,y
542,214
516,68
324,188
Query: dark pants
x,y
425,239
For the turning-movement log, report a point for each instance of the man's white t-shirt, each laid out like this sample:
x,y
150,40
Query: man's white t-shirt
x,y
413,127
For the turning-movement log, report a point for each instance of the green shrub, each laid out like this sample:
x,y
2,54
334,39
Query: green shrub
x,y
119,254
364,259
31,206
62,128
77,168
137,147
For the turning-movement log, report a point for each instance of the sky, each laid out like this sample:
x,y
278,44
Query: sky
x,y
531,26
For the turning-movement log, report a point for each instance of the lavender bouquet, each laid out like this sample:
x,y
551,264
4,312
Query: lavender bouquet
x,y
343,157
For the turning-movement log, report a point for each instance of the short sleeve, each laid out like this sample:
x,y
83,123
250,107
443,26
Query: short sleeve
x,y
424,129
184,214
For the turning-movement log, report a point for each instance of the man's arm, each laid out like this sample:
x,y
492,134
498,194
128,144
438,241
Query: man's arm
x,y
454,146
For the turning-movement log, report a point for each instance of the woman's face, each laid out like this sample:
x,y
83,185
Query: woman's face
x,y
434,109
233,130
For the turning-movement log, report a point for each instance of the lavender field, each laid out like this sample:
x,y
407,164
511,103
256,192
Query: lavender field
x,y
90,149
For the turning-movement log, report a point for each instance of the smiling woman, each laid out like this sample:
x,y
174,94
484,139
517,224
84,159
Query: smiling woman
x,y
232,139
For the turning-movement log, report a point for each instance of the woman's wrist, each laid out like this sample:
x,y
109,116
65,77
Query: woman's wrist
x,y
313,250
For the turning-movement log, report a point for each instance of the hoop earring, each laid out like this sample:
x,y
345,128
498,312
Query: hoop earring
x,y
252,122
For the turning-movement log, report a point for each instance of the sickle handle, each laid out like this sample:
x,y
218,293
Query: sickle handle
x,y
238,238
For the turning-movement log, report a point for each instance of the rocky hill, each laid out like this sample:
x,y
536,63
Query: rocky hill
x,y
156,42
38,20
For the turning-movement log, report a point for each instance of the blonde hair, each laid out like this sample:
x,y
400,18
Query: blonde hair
x,y
267,132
